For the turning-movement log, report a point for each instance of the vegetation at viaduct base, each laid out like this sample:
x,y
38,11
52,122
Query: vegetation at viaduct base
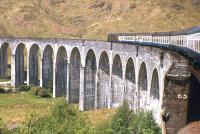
x,y
64,118
46,115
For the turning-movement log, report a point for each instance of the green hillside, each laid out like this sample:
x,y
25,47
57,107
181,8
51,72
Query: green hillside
x,y
94,19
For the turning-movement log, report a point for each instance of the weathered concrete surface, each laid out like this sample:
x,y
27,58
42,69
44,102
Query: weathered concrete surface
x,y
90,81
154,93
4,61
61,72
99,74
103,88
117,82
74,76
130,85
18,70
34,66
142,86
47,67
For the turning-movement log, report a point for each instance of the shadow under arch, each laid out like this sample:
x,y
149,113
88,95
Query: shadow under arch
x,y
47,68
154,91
61,72
103,81
155,94
34,65
90,80
20,65
193,100
5,61
74,76
130,89
142,86
117,82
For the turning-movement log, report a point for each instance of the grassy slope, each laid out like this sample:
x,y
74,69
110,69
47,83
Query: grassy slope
x,y
94,19
16,108
95,117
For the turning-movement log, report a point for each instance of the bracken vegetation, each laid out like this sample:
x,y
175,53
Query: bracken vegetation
x,y
94,19
65,118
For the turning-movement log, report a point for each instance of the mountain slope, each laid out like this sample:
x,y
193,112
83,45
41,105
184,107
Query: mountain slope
x,y
92,19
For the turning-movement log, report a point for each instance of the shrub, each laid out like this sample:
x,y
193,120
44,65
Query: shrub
x,y
9,89
6,89
144,123
39,92
126,121
43,93
2,91
122,120
35,90
24,88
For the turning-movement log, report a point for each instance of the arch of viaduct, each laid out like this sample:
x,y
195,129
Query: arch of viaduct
x,y
99,74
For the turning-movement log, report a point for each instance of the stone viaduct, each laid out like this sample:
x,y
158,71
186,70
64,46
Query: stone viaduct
x,y
100,74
